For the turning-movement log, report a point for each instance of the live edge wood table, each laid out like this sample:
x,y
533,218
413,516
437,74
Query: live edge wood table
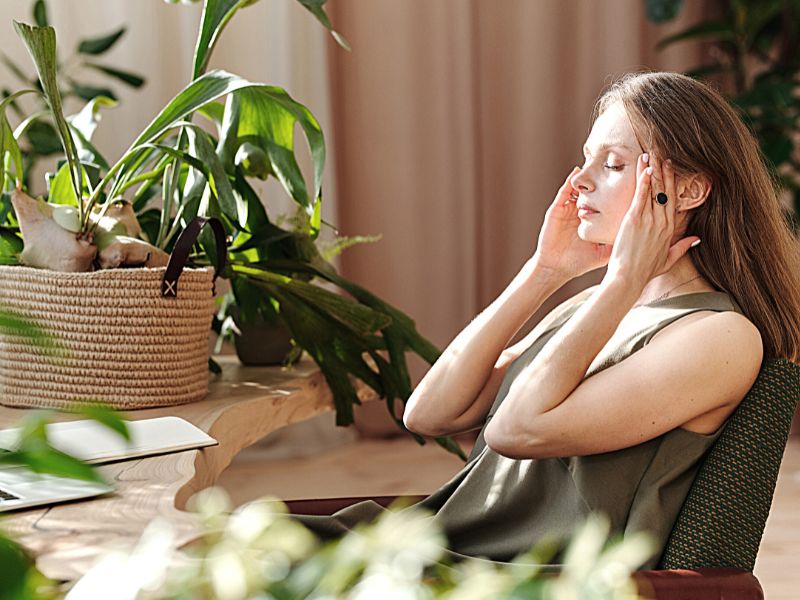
x,y
244,404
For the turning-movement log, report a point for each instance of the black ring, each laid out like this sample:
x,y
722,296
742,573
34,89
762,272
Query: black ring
x,y
661,198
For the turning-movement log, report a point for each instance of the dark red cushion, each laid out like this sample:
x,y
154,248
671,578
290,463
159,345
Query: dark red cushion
x,y
699,584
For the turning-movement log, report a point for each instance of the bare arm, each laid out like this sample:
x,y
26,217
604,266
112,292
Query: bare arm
x,y
551,410
457,391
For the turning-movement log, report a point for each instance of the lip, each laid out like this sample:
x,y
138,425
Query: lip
x,y
585,209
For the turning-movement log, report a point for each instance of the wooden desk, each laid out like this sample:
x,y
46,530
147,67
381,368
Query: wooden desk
x,y
244,404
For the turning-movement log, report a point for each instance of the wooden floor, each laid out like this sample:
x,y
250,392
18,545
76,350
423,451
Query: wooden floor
x,y
349,466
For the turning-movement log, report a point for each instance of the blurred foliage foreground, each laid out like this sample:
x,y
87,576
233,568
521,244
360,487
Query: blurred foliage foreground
x,y
258,551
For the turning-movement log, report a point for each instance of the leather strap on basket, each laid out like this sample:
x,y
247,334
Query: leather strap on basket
x,y
183,246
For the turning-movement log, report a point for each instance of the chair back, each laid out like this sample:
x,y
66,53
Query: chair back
x,y
723,517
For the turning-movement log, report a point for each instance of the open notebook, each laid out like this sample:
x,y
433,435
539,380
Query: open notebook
x,y
93,443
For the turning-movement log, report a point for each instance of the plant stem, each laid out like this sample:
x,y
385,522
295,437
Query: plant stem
x,y
154,174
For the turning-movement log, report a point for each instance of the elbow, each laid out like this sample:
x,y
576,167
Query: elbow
x,y
410,423
508,441
415,425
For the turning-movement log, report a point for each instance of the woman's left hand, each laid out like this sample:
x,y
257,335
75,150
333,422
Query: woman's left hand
x,y
643,249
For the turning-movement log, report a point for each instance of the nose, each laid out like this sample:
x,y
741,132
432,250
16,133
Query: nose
x,y
580,181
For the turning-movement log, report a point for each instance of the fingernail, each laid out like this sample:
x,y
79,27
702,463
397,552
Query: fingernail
x,y
694,243
646,157
649,170
669,162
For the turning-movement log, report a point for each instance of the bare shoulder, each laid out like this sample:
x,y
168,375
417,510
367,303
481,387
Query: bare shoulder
x,y
727,343
723,324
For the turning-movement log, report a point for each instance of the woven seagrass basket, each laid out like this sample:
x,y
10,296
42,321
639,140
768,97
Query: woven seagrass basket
x,y
127,338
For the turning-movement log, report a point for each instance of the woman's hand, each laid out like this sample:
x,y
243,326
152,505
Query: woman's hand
x,y
560,250
643,247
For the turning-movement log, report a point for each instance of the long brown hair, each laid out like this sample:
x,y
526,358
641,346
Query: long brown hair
x,y
748,249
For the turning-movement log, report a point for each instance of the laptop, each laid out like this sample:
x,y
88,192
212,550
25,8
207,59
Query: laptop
x,y
92,443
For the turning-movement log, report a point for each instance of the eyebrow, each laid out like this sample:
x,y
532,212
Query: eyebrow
x,y
611,145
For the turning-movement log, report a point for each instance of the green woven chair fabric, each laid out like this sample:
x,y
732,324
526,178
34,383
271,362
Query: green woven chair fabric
x,y
723,517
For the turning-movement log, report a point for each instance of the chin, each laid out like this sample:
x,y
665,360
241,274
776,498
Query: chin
x,y
589,232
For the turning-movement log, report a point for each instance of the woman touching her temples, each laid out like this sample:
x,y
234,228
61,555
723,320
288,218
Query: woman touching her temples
x,y
612,399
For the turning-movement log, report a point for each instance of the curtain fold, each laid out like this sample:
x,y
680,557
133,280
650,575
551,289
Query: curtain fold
x,y
457,121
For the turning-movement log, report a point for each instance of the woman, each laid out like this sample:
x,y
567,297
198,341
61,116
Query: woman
x,y
613,398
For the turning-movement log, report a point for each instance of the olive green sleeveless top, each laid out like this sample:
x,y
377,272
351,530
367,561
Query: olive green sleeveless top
x,y
497,507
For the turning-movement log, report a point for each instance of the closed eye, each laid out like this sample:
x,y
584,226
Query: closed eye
x,y
614,167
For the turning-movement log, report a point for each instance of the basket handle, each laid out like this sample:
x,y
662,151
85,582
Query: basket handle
x,y
182,248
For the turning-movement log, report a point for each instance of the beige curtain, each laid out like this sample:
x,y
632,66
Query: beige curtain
x,y
456,121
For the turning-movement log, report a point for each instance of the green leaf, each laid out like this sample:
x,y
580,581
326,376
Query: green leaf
x,y
40,13
401,325
214,367
33,450
88,118
316,336
14,566
777,147
270,114
41,43
8,140
316,217
131,79
10,243
43,138
105,415
99,45
214,112
267,119
262,240
203,90
87,153
361,319
216,15
12,66
258,224
716,30
661,11
315,7
12,324
60,189
706,70
232,206
8,144
169,189
90,92
44,459
228,144
451,446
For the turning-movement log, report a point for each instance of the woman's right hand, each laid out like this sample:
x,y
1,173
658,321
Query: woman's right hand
x,y
560,250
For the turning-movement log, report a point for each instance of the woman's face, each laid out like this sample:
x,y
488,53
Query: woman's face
x,y
607,180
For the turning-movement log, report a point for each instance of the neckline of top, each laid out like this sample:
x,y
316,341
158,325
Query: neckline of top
x,y
672,298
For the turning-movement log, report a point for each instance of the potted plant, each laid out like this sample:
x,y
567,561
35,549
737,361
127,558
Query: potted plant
x,y
175,171
251,320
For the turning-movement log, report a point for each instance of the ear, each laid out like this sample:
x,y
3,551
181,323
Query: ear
x,y
692,190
